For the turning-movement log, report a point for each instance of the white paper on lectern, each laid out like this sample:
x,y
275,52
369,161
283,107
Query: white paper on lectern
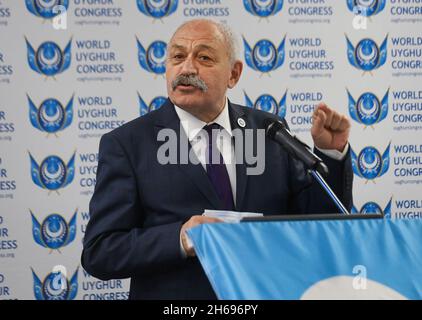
x,y
230,216
225,216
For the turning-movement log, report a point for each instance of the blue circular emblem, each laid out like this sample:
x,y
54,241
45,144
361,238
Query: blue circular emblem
x,y
156,103
368,108
45,8
51,115
157,8
156,57
371,208
370,162
53,172
368,7
54,231
367,54
49,58
263,8
264,55
55,287
266,103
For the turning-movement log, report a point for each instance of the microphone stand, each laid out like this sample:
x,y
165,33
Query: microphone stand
x,y
318,177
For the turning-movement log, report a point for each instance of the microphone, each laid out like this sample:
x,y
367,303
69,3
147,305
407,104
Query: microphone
x,y
277,131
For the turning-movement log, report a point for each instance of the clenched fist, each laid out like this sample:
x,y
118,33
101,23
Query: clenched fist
x,y
330,129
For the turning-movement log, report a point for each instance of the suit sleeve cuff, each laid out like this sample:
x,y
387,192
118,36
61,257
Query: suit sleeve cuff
x,y
333,153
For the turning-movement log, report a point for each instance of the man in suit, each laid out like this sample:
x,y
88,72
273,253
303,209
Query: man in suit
x,y
142,207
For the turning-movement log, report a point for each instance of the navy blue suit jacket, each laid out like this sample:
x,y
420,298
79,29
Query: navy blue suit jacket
x,y
139,205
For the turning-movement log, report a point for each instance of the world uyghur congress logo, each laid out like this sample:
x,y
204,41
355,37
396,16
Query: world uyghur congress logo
x,y
55,286
46,9
155,104
157,9
367,56
366,8
264,56
263,8
266,102
369,164
53,174
153,59
49,59
51,116
374,208
54,232
368,109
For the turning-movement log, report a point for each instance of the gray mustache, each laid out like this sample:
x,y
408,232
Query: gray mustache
x,y
192,80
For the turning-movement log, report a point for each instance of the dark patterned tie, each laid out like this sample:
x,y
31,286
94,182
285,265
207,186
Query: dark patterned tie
x,y
217,172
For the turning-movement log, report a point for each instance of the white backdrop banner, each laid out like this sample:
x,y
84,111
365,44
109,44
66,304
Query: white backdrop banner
x,y
72,70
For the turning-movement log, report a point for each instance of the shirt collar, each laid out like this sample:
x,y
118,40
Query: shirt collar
x,y
192,125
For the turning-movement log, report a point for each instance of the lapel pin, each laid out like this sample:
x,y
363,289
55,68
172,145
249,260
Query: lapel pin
x,y
241,122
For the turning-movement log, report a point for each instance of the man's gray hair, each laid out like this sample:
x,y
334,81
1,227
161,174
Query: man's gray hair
x,y
229,36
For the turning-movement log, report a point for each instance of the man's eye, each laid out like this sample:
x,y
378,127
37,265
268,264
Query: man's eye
x,y
178,56
204,58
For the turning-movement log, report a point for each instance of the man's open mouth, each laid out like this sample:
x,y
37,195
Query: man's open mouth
x,y
186,86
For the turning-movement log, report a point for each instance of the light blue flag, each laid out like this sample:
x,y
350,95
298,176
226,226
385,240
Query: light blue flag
x,y
326,259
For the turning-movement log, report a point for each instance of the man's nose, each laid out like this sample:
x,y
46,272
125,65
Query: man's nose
x,y
189,67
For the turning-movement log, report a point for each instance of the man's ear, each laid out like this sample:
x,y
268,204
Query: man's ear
x,y
235,73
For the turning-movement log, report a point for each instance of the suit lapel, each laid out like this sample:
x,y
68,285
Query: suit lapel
x,y
237,113
195,173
